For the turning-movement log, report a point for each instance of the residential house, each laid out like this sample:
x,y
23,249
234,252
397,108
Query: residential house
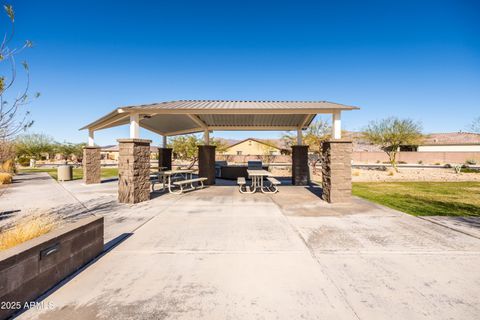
x,y
256,147
451,142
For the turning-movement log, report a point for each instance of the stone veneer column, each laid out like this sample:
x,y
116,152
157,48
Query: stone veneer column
x,y
91,165
134,170
337,171
165,158
206,163
300,170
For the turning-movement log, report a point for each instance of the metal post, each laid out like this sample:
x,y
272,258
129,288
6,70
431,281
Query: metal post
x,y
91,140
336,125
206,137
164,142
134,126
299,137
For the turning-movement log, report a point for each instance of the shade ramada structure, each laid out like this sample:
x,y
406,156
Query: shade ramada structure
x,y
191,116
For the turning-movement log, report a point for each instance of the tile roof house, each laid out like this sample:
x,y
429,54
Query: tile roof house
x,y
451,142
434,142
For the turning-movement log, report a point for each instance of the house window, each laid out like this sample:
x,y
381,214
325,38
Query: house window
x,y
408,148
239,153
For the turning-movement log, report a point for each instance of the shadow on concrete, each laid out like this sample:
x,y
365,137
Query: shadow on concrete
x,y
115,242
158,193
316,189
29,177
8,214
109,180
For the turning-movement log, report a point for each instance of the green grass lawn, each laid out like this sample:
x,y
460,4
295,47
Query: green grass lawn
x,y
424,198
77,172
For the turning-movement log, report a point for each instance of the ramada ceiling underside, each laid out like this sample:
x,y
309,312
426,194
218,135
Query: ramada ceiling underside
x,y
174,124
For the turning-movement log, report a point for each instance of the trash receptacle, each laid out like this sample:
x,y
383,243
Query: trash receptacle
x,y
64,173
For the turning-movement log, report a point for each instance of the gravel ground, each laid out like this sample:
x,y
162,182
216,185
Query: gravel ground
x,y
405,174
413,174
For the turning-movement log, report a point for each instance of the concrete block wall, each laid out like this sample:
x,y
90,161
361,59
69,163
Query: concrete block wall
x,y
134,170
33,267
337,171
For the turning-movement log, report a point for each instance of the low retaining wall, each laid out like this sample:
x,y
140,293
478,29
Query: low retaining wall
x,y
415,157
33,267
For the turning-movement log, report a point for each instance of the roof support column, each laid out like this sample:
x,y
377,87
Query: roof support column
x,y
206,137
164,141
336,125
336,171
299,137
206,163
134,126
91,138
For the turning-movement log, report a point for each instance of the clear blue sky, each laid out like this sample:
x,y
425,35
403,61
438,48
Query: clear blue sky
x,y
416,59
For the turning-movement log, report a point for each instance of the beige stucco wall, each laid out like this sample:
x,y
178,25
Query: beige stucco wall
x,y
252,147
449,148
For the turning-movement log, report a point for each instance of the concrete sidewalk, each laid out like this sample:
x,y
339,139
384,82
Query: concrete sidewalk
x,y
37,192
216,254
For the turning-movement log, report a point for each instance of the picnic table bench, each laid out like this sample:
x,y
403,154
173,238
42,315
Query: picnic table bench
x,y
257,177
178,178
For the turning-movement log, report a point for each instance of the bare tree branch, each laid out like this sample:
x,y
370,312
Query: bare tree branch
x,y
14,118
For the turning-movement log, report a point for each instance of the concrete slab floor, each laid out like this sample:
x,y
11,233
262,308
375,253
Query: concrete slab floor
x,y
218,254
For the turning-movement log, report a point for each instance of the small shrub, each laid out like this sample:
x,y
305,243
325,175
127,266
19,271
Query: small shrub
x,y
356,173
378,161
8,166
471,162
26,229
420,162
448,166
24,161
402,162
391,172
437,163
457,168
5,178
